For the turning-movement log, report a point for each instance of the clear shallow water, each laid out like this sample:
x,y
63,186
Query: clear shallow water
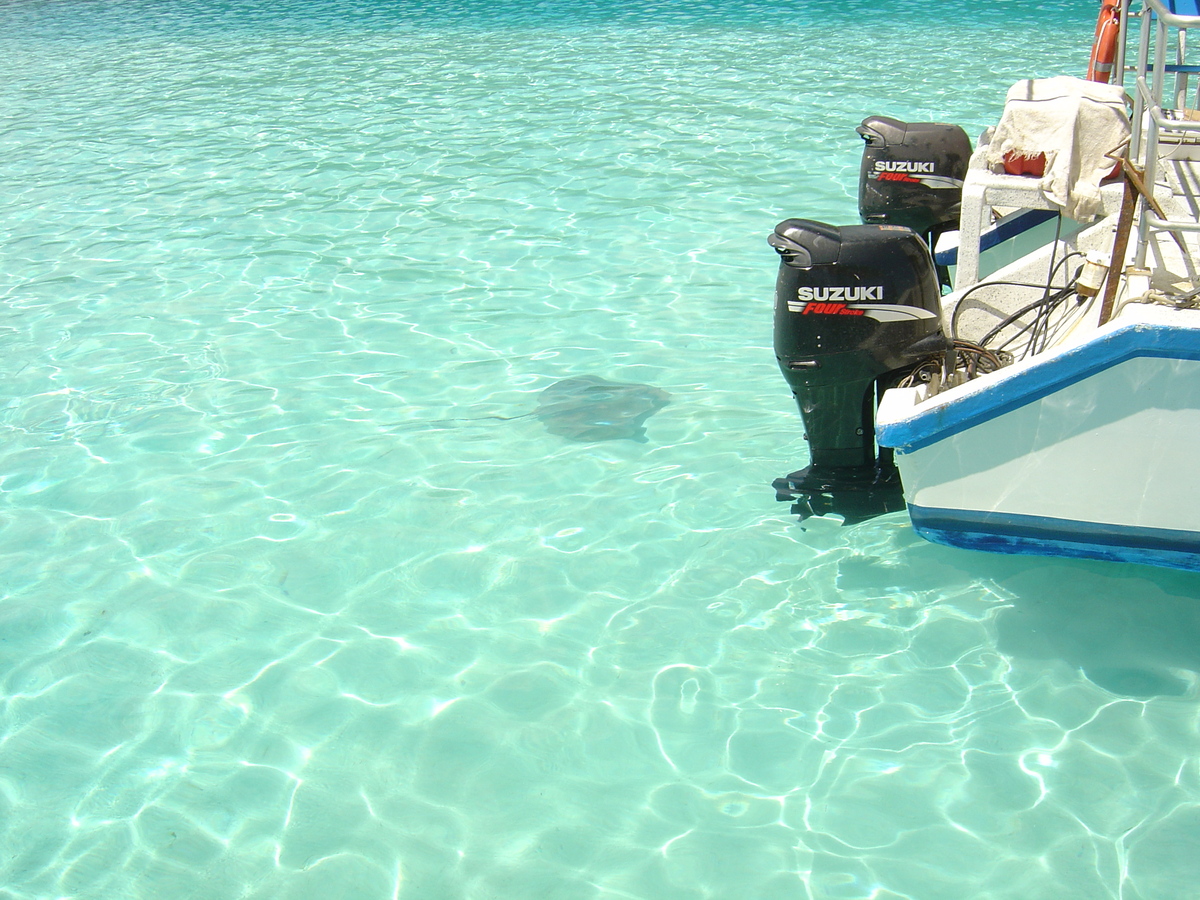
x,y
299,598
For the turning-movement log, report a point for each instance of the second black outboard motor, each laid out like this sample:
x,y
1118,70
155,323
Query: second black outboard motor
x,y
856,309
912,175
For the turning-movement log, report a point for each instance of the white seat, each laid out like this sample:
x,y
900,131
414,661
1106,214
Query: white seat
x,y
983,190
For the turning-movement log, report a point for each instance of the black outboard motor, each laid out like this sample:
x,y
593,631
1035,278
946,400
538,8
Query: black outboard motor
x,y
856,308
912,175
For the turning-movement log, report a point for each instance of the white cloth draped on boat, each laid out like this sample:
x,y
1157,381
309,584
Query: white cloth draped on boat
x,y
1075,123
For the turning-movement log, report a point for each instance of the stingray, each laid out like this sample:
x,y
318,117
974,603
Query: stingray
x,y
592,409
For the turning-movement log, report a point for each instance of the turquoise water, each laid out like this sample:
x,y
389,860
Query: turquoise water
x,y
301,599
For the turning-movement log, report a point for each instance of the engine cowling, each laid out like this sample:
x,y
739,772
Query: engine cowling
x,y
912,174
856,308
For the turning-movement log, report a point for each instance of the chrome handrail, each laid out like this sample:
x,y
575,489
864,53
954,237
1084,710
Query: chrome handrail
x,y
1148,105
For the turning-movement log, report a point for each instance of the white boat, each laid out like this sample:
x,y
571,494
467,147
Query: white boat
x,y
1060,414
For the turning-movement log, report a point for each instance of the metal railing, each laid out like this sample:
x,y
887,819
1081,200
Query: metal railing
x,y
1158,17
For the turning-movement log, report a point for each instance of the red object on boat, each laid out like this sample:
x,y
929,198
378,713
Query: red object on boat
x,y
1035,166
1025,165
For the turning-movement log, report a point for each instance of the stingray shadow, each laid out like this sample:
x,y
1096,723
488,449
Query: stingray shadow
x,y
589,408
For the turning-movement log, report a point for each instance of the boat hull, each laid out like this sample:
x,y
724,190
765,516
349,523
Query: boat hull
x,y
1086,452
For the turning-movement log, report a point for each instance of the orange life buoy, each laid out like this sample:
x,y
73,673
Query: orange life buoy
x,y
1104,45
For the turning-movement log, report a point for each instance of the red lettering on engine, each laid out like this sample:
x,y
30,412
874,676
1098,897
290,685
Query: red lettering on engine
x,y
830,309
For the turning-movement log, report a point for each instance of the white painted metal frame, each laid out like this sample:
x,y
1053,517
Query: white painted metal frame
x,y
1148,105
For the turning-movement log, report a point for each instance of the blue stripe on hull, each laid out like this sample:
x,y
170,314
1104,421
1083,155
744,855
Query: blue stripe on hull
x,y
1012,533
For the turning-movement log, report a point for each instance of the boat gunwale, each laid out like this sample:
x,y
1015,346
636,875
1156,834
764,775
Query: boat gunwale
x,y
956,410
